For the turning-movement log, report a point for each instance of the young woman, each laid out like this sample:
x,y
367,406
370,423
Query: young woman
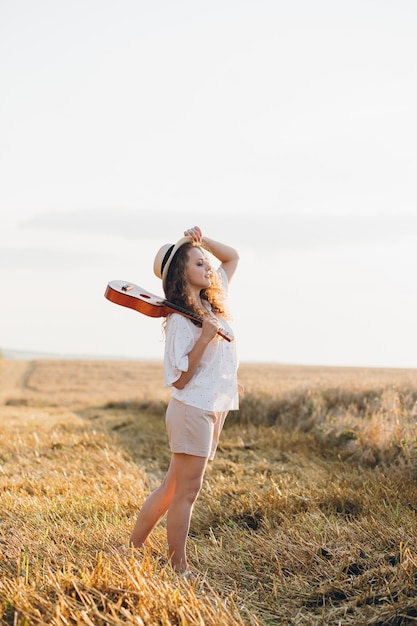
x,y
201,368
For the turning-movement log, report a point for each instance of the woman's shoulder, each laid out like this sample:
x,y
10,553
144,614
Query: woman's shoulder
x,y
175,318
180,328
223,278
178,320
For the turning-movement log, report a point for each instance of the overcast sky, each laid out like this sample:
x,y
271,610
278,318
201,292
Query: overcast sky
x,y
286,129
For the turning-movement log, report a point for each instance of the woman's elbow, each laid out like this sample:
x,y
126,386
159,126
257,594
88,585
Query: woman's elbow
x,y
234,256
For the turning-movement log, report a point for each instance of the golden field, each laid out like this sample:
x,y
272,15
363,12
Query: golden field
x,y
307,514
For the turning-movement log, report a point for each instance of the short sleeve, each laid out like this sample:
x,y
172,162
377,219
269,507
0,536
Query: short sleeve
x,y
179,341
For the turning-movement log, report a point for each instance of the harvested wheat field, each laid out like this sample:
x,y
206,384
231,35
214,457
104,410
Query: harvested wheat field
x,y
307,514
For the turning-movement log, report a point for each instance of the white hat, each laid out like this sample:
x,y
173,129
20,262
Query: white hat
x,y
164,257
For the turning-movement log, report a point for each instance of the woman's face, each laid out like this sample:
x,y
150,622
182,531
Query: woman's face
x,y
198,269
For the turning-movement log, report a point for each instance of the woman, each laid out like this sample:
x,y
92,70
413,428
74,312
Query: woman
x,y
201,368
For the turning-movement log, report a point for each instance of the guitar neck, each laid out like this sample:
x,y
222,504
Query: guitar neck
x,y
182,310
193,316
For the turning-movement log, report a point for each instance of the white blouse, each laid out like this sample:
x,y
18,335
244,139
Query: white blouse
x,y
213,386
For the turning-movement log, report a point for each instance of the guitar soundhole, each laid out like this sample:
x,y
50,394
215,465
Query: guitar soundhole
x,y
144,295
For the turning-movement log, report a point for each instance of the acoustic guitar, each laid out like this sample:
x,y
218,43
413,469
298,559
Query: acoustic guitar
x,y
138,299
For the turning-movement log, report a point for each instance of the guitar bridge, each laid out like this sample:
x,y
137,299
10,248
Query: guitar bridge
x,y
127,287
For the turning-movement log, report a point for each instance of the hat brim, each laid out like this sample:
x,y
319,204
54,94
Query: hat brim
x,y
178,245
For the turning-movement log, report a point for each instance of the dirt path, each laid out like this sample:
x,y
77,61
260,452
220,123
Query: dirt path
x,y
79,383
13,379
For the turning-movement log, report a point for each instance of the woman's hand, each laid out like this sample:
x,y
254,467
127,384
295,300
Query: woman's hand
x,y
210,328
195,233
228,256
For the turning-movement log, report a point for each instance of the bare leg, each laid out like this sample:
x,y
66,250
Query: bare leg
x,y
153,509
189,471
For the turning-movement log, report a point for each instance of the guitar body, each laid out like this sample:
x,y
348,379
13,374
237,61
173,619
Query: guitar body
x,y
134,297
138,299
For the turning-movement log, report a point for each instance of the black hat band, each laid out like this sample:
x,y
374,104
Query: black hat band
x,y
166,257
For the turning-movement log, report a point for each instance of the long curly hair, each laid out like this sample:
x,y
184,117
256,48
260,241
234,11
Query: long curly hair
x,y
176,287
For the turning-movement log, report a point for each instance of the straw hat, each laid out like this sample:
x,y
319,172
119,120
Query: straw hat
x,y
164,257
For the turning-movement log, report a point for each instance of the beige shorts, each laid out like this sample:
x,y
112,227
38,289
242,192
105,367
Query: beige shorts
x,y
192,430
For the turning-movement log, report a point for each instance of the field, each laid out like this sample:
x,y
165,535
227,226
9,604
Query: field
x,y
307,514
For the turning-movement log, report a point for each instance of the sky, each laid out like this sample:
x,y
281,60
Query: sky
x,y
285,129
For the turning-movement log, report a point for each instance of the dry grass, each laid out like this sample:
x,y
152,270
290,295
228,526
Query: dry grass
x,y
307,515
